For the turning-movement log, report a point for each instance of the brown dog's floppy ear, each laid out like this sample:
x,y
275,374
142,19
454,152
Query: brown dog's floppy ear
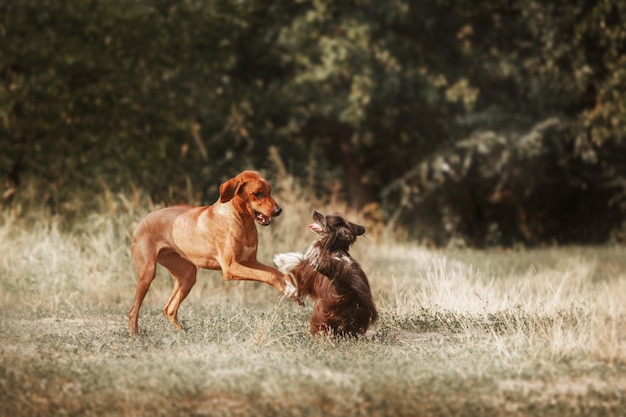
x,y
229,189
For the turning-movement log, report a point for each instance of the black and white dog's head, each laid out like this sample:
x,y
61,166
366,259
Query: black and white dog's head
x,y
326,272
337,232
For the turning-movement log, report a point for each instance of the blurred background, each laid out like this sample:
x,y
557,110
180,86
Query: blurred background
x,y
451,122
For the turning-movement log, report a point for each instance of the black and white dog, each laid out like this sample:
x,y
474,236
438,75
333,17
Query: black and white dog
x,y
327,273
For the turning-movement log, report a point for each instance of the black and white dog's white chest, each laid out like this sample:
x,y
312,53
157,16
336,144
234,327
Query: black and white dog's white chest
x,y
286,262
316,256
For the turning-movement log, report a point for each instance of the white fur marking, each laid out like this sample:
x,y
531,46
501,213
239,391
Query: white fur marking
x,y
343,258
312,254
290,290
286,262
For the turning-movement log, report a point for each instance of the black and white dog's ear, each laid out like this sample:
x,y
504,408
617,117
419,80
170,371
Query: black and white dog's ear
x,y
351,231
356,229
346,235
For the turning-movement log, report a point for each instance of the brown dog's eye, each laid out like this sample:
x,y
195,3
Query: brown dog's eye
x,y
257,194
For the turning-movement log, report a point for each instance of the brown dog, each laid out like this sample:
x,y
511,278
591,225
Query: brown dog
x,y
327,273
222,236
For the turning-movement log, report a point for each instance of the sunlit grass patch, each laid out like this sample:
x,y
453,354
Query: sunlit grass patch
x,y
460,332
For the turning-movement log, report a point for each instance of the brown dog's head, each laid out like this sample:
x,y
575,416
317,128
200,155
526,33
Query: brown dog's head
x,y
340,232
255,195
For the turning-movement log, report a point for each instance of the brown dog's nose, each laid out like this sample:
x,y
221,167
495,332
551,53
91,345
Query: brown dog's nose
x,y
277,211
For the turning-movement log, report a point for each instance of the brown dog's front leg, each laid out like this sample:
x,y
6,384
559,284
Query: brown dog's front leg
x,y
256,271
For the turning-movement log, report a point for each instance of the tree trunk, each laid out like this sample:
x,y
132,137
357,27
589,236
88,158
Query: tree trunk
x,y
358,194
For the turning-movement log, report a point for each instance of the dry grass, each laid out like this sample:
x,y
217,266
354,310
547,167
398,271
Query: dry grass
x,y
461,333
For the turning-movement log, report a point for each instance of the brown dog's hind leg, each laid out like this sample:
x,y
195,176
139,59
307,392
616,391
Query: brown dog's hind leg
x,y
145,274
184,273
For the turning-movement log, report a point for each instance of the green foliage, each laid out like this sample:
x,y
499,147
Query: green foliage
x,y
491,189
172,97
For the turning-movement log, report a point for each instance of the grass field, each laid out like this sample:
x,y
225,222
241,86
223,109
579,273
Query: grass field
x,y
491,333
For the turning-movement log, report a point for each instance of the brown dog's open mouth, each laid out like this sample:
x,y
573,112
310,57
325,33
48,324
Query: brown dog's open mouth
x,y
262,219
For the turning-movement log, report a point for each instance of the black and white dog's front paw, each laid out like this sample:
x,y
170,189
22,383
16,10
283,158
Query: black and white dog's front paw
x,y
286,262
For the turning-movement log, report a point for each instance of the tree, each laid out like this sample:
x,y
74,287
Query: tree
x,y
425,108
